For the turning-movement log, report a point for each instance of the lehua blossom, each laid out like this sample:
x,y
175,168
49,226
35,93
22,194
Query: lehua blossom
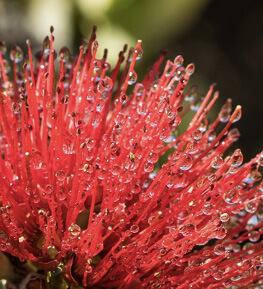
x,y
84,195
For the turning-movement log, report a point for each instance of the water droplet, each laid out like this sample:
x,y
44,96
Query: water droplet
x,y
217,162
141,108
148,167
211,136
232,196
186,230
90,143
3,238
253,236
238,116
106,66
190,68
251,207
237,158
97,64
234,134
139,89
208,208
60,175
101,86
180,72
187,164
178,61
183,215
136,189
224,217
152,157
15,107
115,170
16,54
224,116
3,47
123,98
100,105
36,199
108,83
132,77
139,53
74,230
62,195
6,65
135,229
219,249
65,54
197,134
192,147
49,189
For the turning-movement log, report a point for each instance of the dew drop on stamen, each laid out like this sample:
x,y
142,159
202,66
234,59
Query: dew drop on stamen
x,y
141,108
132,77
183,215
187,164
197,134
190,68
232,196
238,116
65,54
60,175
101,86
3,47
139,53
36,199
15,107
139,89
168,68
251,207
219,249
136,189
135,229
237,158
224,116
152,157
97,64
74,230
90,143
62,195
7,66
208,209
16,54
178,61
234,134
116,170
224,217
108,83
211,136
254,236
148,167
217,162
180,72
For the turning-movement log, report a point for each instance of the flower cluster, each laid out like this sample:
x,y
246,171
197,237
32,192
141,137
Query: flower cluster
x,y
84,193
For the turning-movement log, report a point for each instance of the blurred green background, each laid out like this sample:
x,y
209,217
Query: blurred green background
x,y
224,38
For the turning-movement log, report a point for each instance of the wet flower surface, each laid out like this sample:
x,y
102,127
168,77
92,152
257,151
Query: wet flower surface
x,y
84,194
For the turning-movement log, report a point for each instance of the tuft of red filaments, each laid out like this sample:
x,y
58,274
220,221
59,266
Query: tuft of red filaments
x,y
83,191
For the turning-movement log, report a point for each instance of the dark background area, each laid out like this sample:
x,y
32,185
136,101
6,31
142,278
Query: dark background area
x,y
227,47
224,38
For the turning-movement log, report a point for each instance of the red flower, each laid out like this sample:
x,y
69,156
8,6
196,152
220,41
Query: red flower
x,y
83,191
